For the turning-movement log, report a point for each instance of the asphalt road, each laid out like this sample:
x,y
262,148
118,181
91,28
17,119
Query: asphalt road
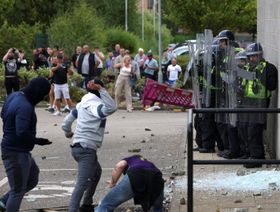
x,y
124,132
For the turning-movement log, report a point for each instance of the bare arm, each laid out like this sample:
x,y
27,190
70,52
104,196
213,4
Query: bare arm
x,y
117,172
5,58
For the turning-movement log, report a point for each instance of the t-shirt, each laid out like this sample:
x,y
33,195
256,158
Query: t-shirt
x,y
135,162
60,75
85,65
173,71
11,68
151,63
125,71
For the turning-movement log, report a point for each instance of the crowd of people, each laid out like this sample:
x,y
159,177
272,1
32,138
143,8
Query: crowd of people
x,y
236,78
119,67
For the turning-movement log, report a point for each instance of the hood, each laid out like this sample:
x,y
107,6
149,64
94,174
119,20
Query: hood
x,y
36,90
90,102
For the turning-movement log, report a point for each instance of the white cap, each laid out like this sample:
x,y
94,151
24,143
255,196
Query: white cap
x,y
140,50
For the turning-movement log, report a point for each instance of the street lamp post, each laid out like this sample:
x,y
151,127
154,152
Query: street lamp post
x,y
126,15
160,80
142,11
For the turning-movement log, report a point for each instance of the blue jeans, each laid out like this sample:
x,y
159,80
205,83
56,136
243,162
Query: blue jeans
x,y
121,193
89,173
22,173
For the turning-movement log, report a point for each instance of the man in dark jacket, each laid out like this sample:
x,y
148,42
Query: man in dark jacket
x,y
142,181
86,65
19,137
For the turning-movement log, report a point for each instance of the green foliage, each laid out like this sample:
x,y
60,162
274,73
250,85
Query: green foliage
x,y
196,15
31,12
182,37
114,13
126,39
21,37
151,35
79,26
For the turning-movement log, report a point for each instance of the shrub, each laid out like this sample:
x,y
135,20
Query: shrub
x,y
126,39
78,26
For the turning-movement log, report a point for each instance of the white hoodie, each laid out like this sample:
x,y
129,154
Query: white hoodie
x,y
91,115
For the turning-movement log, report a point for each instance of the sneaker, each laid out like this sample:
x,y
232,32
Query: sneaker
x,y
57,113
51,110
2,206
86,208
66,109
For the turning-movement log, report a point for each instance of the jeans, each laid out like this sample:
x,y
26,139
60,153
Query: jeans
x,y
89,173
22,173
121,193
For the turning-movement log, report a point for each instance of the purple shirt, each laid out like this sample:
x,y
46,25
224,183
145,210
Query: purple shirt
x,y
135,162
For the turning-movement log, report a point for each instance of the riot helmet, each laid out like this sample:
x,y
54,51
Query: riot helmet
x,y
226,35
241,55
254,49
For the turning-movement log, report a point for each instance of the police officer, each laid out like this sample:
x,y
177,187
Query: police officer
x,y
206,130
226,41
256,94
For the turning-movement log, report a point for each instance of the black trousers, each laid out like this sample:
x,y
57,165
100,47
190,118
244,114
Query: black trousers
x,y
223,132
206,132
252,135
11,84
236,144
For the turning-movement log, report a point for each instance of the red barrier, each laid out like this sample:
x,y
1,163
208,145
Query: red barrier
x,y
155,92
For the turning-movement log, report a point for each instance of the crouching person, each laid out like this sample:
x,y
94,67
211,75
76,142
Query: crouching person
x,y
142,181
91,115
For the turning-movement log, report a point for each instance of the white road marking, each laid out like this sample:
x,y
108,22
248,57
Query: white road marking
x,y
55,170
3,182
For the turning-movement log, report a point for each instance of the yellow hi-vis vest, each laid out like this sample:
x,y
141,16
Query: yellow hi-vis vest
x,y
262,92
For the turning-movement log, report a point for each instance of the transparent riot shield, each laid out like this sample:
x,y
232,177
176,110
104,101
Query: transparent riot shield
x,y
220,73
230,81
207,66
193,66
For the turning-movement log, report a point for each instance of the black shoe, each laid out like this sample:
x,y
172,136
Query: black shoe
x,y
243,157
230,155
220,153
250,166
204,150
196,149
86,208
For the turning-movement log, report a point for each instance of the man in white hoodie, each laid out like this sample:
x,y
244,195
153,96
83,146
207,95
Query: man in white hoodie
x,y
91,115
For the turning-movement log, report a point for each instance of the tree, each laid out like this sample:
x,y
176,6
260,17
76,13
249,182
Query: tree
x,y
21,37
197,15
113,13
79,26
32,11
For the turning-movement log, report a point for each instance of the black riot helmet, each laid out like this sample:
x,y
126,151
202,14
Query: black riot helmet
x,y
254,49
226,34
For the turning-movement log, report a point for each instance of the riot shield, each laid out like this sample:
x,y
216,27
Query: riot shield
x,y
230,81
222,74
193,66
207,66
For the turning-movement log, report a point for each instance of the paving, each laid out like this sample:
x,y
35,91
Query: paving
x,y
222,195
157,135
161,137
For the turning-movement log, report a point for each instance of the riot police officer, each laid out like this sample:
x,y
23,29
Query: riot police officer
x,y
256,94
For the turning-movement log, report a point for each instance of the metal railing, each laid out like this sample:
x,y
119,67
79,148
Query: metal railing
x,y
192,162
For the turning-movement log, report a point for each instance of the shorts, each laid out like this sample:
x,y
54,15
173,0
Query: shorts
x,y
61,89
